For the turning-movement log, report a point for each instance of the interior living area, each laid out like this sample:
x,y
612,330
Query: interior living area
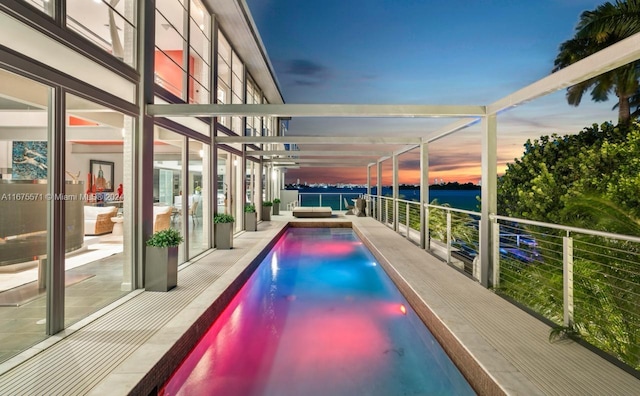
x,y
122,118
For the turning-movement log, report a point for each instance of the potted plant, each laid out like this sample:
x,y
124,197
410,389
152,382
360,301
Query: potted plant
x,y
266,210
223,224
276,206
250,217
161,264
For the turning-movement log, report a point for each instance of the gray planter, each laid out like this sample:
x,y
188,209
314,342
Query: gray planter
x,y
251,221
266,213
161,268
224,235
276,208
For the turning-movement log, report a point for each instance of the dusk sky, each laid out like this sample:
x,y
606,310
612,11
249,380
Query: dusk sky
x,y
422,52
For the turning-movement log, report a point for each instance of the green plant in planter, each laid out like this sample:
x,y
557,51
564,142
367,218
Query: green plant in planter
x,y
223,218
249,208
223,230
267,203
161,260
276,206
165,238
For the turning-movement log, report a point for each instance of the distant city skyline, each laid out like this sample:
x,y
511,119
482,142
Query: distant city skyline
x,y
456,53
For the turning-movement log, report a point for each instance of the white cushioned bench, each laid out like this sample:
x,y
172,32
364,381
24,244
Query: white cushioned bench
x,y
311,211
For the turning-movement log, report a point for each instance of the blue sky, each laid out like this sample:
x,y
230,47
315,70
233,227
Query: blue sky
x,y
422,52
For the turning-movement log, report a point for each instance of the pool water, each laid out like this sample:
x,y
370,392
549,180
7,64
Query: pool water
x,y
319,316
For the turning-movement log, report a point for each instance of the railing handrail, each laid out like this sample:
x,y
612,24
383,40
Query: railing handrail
x,y
329,193
578,230
469,212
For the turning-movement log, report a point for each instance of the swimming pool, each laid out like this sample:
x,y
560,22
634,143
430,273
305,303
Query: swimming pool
x,y
319,316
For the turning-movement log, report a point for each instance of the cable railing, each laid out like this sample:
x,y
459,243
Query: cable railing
x,y
337,201
585,281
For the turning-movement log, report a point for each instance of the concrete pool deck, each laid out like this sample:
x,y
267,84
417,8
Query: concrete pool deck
x,y
130,348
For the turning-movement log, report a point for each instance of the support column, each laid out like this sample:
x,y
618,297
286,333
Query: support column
x,y
395,193
55,275
368,210
488,196
379,181
424,195
142,200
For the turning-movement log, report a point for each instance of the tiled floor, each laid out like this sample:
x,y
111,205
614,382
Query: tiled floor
x,y
119,352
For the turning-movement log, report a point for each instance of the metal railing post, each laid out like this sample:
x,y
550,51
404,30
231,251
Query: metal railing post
x,y
386,211
448,237
496,254
427,235
407,218
567,279
320,198
340,201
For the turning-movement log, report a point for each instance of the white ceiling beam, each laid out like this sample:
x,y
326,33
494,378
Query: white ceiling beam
x,y
314,110
319,153
449,129
332,165
318,139
316,160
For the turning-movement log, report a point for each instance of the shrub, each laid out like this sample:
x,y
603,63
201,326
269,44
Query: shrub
x,y
165,238
249,208
267,203
276,200
223,218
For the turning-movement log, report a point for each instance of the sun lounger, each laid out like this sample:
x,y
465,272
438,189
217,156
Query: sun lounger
x,y
312,211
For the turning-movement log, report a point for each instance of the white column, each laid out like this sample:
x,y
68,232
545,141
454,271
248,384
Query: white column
x,y
424,194
488,194
379,181
395,192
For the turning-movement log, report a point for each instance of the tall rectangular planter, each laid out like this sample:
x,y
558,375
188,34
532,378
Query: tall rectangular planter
x,y
224,235
266,213
161,268
276,208
251,221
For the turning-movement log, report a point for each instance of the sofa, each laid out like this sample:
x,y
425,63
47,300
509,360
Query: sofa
x,y
97,219
161,217
315,211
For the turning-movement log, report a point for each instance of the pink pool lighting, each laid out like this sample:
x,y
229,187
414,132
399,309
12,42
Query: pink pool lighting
x,y
293,330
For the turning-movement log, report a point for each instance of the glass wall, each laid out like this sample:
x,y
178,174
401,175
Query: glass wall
x,y
170,205
237,90
199,218
223,96
24,165
97,271
225,186
110,24
199,51
180,67
170,69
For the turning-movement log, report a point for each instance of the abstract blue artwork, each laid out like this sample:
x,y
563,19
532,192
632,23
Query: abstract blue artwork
x,y
29,160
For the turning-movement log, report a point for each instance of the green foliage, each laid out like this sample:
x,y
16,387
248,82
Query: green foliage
x,y
599,161
249,208
267,203
223,218
276,200
165,238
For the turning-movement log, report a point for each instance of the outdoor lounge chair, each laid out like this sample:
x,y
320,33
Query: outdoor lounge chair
x,y
348,207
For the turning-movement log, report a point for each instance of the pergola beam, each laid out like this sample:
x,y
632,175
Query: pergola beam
x,y
314,110
316,160
320,153
318,140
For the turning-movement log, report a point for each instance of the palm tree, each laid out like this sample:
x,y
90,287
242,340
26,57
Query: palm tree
x,y
597,29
